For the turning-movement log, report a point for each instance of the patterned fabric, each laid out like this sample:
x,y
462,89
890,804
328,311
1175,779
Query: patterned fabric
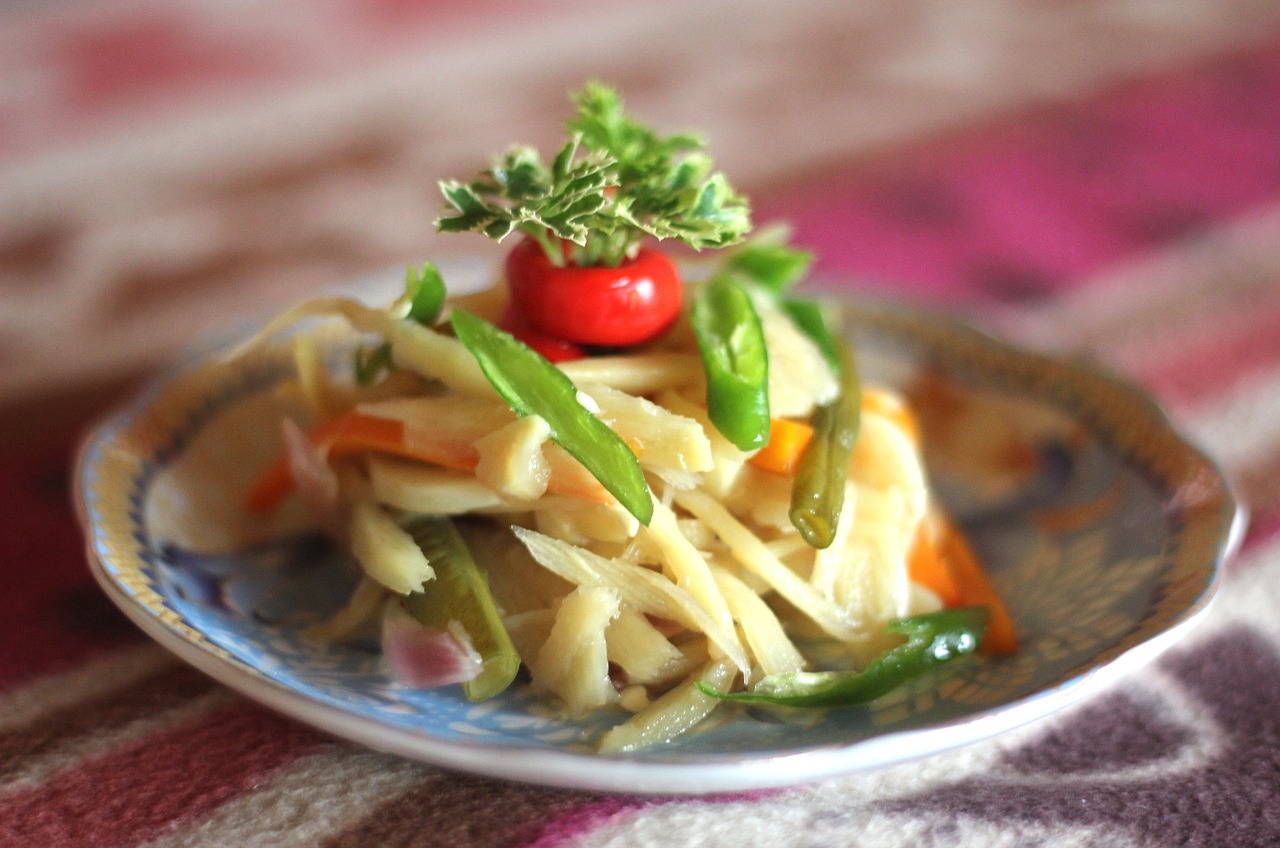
x,y
1136,223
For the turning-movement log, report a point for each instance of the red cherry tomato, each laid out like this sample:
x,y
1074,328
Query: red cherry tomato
x,y
609,307
552,349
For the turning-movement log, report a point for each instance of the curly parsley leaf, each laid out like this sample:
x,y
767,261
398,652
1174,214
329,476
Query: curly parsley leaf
x,y
614,182
520,192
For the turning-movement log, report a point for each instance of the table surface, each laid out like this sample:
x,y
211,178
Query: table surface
x,y
1098,179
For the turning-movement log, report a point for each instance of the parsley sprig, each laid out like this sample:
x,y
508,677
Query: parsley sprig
x,y
614,182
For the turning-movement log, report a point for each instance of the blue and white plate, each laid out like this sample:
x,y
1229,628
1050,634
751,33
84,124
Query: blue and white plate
x,y
1102,528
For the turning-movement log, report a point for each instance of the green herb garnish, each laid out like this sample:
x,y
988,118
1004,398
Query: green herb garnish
x,y
614,182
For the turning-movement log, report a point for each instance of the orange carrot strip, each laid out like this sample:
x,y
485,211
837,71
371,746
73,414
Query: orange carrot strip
x,y
356,432
277,482
787,442
788,439
947,565
271,488
975,587
352,433
363,433
926,566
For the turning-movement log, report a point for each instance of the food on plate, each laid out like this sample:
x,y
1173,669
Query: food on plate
x,y
652,495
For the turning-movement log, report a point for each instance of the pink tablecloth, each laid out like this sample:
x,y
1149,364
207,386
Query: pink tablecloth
x,y
1132,217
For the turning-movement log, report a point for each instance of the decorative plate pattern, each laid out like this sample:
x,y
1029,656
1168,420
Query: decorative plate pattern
x,y
1103,529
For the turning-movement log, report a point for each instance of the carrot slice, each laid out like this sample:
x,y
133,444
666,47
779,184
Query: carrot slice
x,y
345,435
926,566
787,442
944,562
356,432
788,438
271,488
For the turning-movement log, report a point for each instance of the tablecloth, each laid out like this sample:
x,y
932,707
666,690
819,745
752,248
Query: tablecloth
x,y
1097,180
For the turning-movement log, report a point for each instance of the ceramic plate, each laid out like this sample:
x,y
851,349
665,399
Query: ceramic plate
x,y
1103,529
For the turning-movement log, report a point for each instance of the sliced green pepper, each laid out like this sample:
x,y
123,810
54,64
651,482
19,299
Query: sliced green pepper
x,y
425,291
769,264
817,495
731,341
533,386
460,592
932,639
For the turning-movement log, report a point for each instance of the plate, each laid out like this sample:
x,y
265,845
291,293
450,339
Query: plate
x,y
1103,529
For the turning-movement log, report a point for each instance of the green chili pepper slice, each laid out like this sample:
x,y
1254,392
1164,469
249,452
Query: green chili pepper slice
x,y
932,639
731,341
460,592
424,294
425,291
533,386
817,495
770,265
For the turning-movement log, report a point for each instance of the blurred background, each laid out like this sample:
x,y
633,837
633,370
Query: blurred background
x,y
168,167
1095,178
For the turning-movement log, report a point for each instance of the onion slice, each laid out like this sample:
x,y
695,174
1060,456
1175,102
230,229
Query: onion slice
x,y
315,481
426,657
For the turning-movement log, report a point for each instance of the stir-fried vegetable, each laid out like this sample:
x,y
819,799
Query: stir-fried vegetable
x,y
369,365
460,593
931,640
749,555
424,293
731,341
943,561
810,317
787,443
533,386
422,302
817,495
347,434
769,263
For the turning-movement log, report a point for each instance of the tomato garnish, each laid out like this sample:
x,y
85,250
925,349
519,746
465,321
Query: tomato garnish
x,y
609,307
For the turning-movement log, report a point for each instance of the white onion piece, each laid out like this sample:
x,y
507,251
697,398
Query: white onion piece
x,y
426,657
315,481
